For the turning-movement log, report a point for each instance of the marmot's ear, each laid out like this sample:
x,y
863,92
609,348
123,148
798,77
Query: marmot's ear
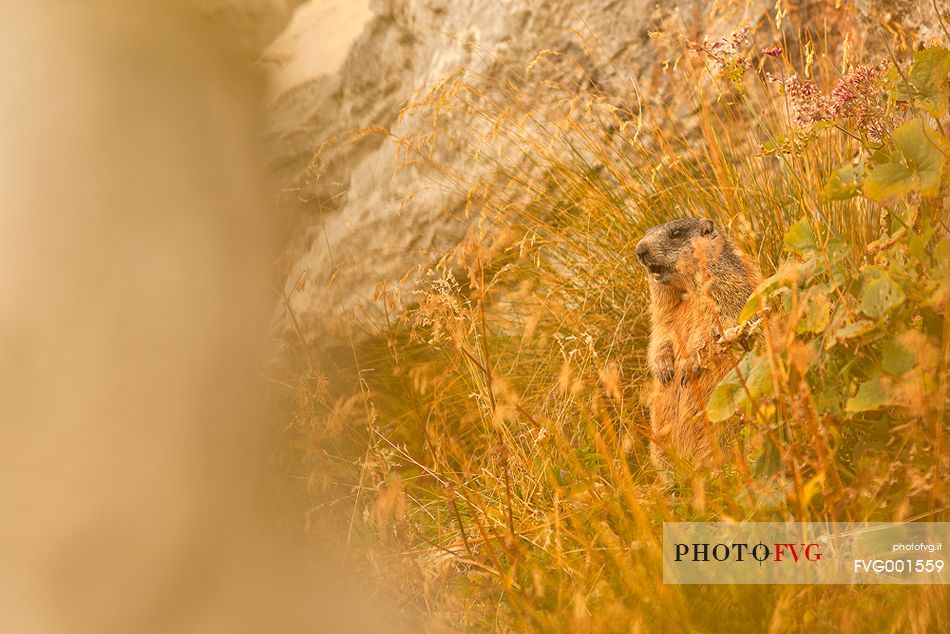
x,y
708,227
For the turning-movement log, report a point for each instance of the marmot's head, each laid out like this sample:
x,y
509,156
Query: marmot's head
x,y
670,252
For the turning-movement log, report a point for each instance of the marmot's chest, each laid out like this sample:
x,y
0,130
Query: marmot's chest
x,y
690,322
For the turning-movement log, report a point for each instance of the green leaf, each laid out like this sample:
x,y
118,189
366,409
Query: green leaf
x,y
751,308
837,250
872,395
917,243
817,313
789,275
844,183
939,300
926,84
730,394
724,401
856,329
916,166
880,294
889,181
897,359
800,238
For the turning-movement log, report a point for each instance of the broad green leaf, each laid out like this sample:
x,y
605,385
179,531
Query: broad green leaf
x,y
850,331
837,250
817,313
926,84
872,395
724,401
788,275
837,254
897,359
924,149
730,394
889,181
940,298
844,183
917,165
880,156
942,253
800,238
917,242
880,294
759,378
751,308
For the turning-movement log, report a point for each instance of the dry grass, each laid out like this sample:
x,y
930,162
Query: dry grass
x,y
486,442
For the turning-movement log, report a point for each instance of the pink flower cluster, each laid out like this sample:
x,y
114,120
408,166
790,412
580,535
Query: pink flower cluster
x,y
809,105
725,52
856,96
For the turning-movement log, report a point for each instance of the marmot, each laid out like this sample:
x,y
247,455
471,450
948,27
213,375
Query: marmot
x,y
699,282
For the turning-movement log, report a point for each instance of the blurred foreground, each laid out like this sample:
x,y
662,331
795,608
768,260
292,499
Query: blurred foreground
x,y
134,303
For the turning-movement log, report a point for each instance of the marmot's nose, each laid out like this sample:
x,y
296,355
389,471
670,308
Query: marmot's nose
x,y
643,252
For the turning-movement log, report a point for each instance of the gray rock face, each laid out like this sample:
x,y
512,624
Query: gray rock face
x,y
915,19
359,215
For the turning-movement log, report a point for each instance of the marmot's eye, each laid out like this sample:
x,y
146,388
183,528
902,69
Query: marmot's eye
x,y
677,233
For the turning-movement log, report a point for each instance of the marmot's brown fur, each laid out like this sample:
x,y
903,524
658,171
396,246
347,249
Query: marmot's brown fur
x,y
699,282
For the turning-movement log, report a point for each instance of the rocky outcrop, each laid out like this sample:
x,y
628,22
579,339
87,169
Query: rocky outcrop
x,y
905,21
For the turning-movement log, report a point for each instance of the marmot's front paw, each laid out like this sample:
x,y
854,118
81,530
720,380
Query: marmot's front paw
x,y
664,366
690,368
665,374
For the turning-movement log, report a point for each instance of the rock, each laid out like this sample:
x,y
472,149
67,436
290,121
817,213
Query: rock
x,y
909,20
315,43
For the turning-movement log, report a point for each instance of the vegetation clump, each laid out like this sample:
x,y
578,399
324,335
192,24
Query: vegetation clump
x,y
494,453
